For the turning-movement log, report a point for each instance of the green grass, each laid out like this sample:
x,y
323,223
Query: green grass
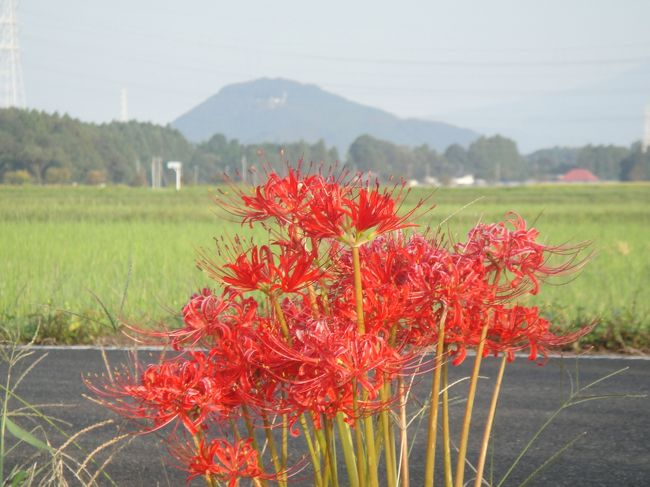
x,y
65,249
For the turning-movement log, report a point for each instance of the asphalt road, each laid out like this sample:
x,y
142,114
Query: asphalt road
x,y
614,449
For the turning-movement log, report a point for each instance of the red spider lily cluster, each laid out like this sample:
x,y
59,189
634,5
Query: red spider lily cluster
x,y
320,326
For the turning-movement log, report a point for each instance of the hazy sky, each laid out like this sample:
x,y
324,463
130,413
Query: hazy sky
x,y
444,60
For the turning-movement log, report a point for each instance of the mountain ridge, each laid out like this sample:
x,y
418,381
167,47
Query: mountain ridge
x,y
280,110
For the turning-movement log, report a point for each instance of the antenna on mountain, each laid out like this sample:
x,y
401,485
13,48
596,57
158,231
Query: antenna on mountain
x,y
645,143
11,72
124,106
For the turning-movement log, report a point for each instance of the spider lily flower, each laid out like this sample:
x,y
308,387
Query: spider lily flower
x,y
225,461
512,250
206,315
259,268
183,390
352,301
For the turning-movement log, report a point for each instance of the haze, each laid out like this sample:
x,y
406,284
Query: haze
x,y
545,73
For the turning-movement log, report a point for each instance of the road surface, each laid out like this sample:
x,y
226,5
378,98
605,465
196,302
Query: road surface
x,y
614,449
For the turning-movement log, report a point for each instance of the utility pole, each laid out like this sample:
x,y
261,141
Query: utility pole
x,y
156,172
124,106
12,92
244,169
645,142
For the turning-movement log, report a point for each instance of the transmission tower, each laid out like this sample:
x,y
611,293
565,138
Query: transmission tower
x,y
12,92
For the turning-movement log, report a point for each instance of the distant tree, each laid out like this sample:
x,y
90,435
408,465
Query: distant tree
x,y
57,175
496,159
36,141
603,160
545,164
429,164
17,177
457,159
383,158
217,156
636,166
96,177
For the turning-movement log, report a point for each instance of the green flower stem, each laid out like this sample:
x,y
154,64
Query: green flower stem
x,y
251,433
446,440
429,470
322,445
285,426
284,455
274,451
315,455
348,450
367,421
358,437
488,424
391,464
280,316
403,425
370,447
331,452
358,290
464,437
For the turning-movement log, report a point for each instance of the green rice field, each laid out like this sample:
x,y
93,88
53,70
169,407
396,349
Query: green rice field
x,y
76,260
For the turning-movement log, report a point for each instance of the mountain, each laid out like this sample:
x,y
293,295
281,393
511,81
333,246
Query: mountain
x,y
280,110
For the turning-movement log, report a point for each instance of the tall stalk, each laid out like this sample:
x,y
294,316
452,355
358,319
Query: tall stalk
x,y
391,464
446,440
274,451
358,439
404,459
464,437
315,454
367,421
331,456
433,413
250,428
488,424
348,450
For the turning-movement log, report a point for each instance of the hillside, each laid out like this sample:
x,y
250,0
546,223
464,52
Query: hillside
x,y
279,110
55,148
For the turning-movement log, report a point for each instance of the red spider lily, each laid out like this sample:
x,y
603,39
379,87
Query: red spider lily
x,y
378,210
353,216
258,268
324,364
180,389
511,247
225,461
520,327
283,199
327,212
207,315
300,350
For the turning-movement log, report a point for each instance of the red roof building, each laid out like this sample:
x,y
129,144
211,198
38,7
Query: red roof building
x,y
578,176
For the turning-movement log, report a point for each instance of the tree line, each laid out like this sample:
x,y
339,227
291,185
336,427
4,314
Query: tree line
x,y
45,148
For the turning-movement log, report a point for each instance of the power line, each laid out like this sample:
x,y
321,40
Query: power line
x,y
241,43
390,61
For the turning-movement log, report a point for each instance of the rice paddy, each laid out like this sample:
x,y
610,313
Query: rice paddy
x,y
75,258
